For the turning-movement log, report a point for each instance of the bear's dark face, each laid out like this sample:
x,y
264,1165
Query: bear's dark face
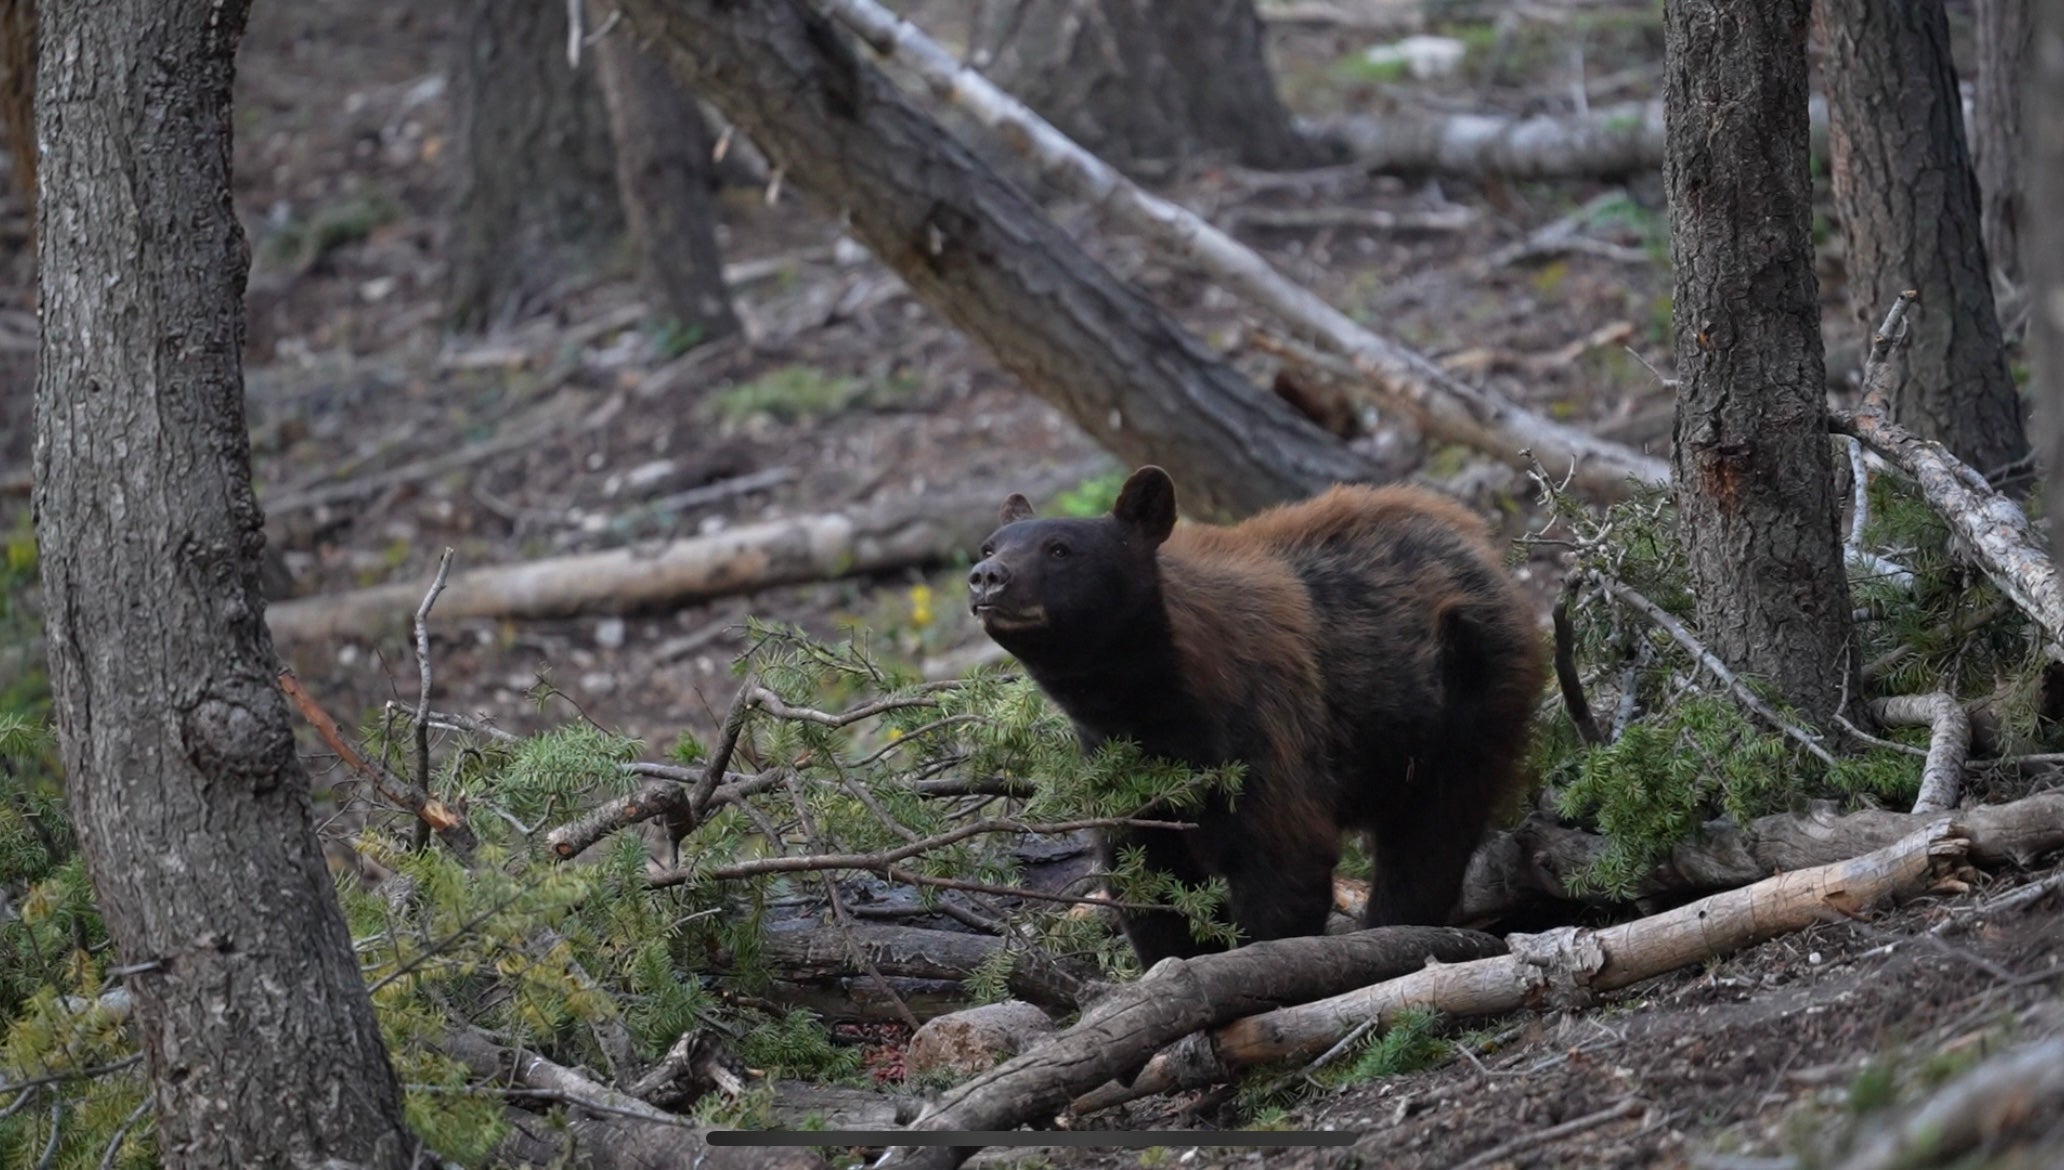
x,y
1052,590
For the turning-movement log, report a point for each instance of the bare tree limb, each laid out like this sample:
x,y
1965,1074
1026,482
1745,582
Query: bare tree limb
x,y
1568,965
449,825
1990,525
1175,998
1602,465
1942,777
1663,621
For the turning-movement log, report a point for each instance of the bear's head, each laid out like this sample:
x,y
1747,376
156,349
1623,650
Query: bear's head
x,y
1051,587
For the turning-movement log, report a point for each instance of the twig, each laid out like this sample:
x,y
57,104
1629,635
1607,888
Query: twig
x,y
79,1074
114,1146
1706,658
1853,552
423,664
1452,219
727,743
1566,669
879,862
57,1104
1553,1133
1942,776
447,824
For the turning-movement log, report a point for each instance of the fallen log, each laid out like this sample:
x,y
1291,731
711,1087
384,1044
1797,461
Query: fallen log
x,y
1564,967
788,551
1603,143
810,952
613,1129
1538,859
1600,465
1174,999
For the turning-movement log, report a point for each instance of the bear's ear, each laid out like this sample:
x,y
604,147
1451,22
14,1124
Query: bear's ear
x,y
1016,508
1147,504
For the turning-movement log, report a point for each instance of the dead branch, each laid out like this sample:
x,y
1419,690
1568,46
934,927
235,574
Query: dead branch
x,y
1540,858
423,666
1942,777
1174,999
449,825
1602,466
751,557
1663,621
1568,965
886,860
1990,525
1996,1098
1566,670
917,953
1631,1107
628,1131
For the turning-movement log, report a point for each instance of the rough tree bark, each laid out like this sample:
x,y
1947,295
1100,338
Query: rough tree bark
x,y
1144,81
2042,240
979,252
535,181
665,182
1996,129
1753,484
1908,202
191,804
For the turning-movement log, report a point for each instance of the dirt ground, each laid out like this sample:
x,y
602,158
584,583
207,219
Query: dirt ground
x,y
342,180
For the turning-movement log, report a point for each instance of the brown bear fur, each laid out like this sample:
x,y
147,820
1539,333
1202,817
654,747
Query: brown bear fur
x,y
1362,653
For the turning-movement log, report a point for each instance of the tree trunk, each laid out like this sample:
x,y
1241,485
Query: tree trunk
x,y
1996,130
664,179
2042,251
1753,483
979,252
191,805
535,192
1908,202
1144,81
18,95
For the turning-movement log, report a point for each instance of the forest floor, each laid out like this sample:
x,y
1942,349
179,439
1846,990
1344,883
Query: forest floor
x,y
853,391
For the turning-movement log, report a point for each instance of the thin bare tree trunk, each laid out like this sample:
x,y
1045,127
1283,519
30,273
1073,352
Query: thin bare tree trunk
x,y
1909,207
2003,30
1753,485
664,179
2042,239
535,192
1144,81
191,805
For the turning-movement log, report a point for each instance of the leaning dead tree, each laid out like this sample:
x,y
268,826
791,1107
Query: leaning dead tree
x,y
1445,404
986,258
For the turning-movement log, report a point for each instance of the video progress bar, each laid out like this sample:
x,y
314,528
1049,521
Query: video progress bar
x,y
1130,1139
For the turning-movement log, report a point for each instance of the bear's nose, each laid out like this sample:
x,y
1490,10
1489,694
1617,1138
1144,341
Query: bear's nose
x,y
987,580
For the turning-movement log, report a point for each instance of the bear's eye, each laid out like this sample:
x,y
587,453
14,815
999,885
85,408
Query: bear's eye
x,y
1057,551
988,550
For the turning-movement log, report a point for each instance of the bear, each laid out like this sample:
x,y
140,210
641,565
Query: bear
x,y
1362,653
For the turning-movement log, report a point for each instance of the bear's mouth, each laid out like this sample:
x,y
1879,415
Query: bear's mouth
x,y
995,618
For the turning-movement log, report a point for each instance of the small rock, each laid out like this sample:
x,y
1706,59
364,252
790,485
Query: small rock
x,y
609,633
598,682
980,1038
